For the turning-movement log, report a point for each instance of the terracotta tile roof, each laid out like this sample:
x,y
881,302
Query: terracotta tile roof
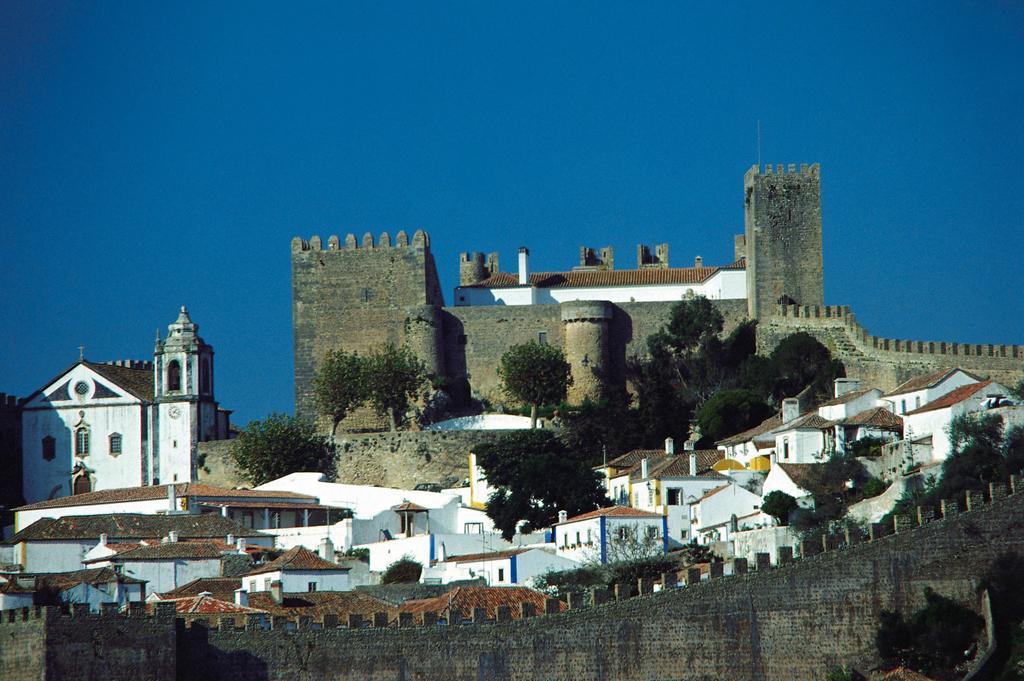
x,y
632,457
316,604
949,399
222,588
810,421
494,555
926,381
179,550
846,397
297,558
128,526
588,278
138,382
181,490
205,605
465,598
879,417
409,507
62,581
660,465
808,477
612,512
709,493
747,435
902,674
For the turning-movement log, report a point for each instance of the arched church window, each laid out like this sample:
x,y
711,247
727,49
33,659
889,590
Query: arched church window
x,y
115,444
82,442
81,485
49,448
174,375
204,376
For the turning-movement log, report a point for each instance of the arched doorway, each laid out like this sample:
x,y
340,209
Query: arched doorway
x,y
81,484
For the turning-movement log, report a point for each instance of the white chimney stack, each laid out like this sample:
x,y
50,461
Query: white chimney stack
x,y
693,464
524,266
846,385
103,539
230,540
172,499
790,409
670,446
643,467
240,544
327,549
172,536
242,598
698,261
563,516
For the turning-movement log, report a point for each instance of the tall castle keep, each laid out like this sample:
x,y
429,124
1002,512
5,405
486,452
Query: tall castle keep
x,y
359,294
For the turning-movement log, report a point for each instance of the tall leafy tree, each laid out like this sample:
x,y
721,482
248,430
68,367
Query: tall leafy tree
x,y
279,445
393,378
731,411
799,361
535,476
341,385
535,374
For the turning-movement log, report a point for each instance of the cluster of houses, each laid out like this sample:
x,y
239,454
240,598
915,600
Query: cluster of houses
x,y
303,545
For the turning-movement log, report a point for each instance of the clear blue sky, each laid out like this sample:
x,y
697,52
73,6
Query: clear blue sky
x,y
153,155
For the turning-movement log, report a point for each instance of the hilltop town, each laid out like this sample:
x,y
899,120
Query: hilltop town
x,y
733,480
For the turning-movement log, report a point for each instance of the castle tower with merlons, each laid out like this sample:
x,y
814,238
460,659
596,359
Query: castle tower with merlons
x,y
357,294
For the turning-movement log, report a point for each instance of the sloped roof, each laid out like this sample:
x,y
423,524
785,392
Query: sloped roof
x,y
316,604
769,423
408,507
466,598
810,421
178,550
139,382
588,278
148,493
633,457
122,526
927,381
878,417
222,588
62,581
205,605
678,465
493,555
709,493
951,398
612,512
298,558
846,397
808,477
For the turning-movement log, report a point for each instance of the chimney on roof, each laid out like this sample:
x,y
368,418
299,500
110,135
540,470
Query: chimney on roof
x,y
698,261
563,516
524,266
230,540
224,511
690,445
846,385
172,536
240,544
242,598
276,592
327,549
172,499
693,463
103,539
643,467
790,409
670,447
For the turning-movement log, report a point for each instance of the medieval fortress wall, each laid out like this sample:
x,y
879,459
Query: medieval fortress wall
x,y
356,294
789,622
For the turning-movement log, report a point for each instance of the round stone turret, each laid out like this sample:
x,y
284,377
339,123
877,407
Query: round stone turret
x,y
586,347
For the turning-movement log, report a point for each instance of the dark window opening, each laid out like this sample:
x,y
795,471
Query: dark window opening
x,y
174,375
82,485
115,443
204,376
542,337
49,448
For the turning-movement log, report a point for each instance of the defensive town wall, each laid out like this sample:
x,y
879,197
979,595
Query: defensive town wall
x,y
816,608
887,362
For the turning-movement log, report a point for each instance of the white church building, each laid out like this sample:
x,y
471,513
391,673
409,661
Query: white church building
x,y
123,423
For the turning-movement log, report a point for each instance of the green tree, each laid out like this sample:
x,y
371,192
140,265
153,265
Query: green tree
x,y
341,385
933,640
779,505
731,411
394,377
279,445
799,361
402,571
535,476
535,374
691,324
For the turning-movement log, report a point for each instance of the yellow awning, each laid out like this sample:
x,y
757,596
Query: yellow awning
x,y
728,465
760,463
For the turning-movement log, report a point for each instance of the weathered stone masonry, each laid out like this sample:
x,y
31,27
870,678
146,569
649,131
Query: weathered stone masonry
x,y
793,621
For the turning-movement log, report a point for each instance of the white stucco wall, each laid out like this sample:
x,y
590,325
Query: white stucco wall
x,y
165,575
53,556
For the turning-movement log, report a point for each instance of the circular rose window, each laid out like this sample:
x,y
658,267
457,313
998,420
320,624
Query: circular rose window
x,y
82,388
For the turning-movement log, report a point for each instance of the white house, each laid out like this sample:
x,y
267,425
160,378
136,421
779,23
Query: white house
x,y
498,568
934,417
724,509
122,424
921,390
94,586
802,439
611,534
791,479
164,566
297,570
16,592
752,448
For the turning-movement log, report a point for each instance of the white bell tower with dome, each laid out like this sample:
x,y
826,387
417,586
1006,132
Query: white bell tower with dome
x,y
187,413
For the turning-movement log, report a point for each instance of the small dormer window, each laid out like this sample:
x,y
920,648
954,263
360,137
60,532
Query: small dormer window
x,y
174,375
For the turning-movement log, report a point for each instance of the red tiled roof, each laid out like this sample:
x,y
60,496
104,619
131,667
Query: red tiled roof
x,y
633,457
298,558
204,605
494,555
61,581
181,490
879,417
178,550
612,512
926,381
846,397
949,399
138,382
128,526
660,465
749,434
465,598
810,421
222,588
589,278
316,604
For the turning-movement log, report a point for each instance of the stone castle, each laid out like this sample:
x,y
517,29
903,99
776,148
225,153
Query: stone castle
x,y
359,294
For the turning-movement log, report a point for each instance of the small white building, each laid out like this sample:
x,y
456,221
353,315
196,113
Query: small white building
x,y
499,568
611,534
297,570
791,479
164,566
921,390
934,417
724,510
122,424
803,439
94,586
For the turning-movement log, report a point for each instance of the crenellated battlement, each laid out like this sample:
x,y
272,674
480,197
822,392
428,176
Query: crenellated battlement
x,y
420,242
804,169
